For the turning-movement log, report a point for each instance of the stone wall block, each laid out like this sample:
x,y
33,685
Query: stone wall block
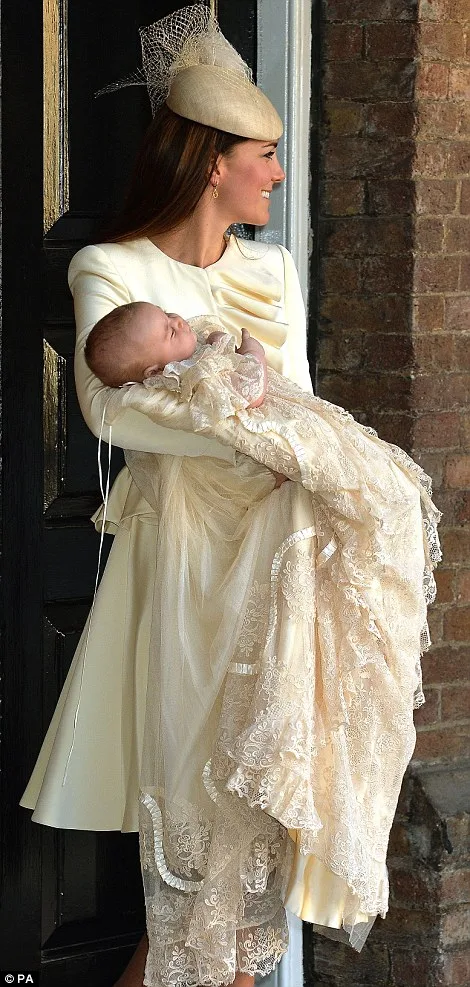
x,y
428,313
364,158
384,41
446,664
436,197
394,80
442,40
389,120
387,275
390,197
438,119
457,313
456,706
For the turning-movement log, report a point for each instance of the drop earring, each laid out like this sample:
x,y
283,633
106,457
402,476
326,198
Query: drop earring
x,y
215,191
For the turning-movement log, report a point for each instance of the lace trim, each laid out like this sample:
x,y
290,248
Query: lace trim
x,y
243,668
175,882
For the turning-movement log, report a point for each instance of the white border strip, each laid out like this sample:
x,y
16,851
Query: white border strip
x,y
284,73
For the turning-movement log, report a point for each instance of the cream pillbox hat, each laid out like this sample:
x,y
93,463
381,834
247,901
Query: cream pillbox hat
x,y
189,64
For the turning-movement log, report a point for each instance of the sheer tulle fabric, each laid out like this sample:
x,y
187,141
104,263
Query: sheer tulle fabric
x,y
285,664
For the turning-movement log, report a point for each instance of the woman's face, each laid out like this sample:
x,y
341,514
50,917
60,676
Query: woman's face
x,y
246,177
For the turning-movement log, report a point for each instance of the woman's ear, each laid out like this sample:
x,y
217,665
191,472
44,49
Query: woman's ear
x,y
151,371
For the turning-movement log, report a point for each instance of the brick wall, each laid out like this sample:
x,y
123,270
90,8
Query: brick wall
x,y
392,300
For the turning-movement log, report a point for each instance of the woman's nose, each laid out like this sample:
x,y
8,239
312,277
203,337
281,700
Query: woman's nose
x,y
279,173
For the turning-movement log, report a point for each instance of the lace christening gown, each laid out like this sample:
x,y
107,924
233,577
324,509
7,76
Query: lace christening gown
x,y
284,668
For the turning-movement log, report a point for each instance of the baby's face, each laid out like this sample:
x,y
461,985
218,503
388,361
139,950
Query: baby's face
x,y
168,338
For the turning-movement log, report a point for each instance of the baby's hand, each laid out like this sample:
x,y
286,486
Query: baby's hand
x,y
214,337
250,345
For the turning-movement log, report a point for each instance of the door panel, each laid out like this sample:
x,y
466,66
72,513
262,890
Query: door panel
x,y
72,901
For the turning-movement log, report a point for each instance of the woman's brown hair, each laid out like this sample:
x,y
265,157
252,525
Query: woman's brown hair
x,y
171,172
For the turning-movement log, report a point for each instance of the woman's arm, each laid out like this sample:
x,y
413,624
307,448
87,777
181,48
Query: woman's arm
x,y
97,287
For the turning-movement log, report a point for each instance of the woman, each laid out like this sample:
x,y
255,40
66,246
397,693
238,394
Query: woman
x,y
208,160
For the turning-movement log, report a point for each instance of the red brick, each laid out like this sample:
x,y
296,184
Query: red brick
x,y
438,119
433,464
344,197
457,313
365,235
343,41
452,505
432,80
455,885
363,10
463,514
429,235
457,624
446,664
394,197
445,582
431,159
386,40
364,158
444,743
462,351
399,842
455,925
435,352
358,393
456,968
393,80
343,118
458,236
340,352
428,312
436,274
464,279
465,197
444,10
458,471
462,592
393,427
340,274
390,120
413,968
436,196
415,923
437,431
441,393
430,712
388,274
464,117
456,704
365,314
458,159
387,351
465,431
456,545
435,625
410,888
442,41
459,82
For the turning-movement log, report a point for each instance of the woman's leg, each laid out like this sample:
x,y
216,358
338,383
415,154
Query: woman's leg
x,y
133,975
243,980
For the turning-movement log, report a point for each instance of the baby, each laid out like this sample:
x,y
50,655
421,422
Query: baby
x,y
344,611
136,341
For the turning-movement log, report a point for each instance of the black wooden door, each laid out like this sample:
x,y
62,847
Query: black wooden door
x,y
71,902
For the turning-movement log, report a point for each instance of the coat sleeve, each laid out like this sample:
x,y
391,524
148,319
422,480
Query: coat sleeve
x,y
97,287
297,368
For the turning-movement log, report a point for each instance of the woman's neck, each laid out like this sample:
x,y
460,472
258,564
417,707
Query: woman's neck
x,y
199,241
